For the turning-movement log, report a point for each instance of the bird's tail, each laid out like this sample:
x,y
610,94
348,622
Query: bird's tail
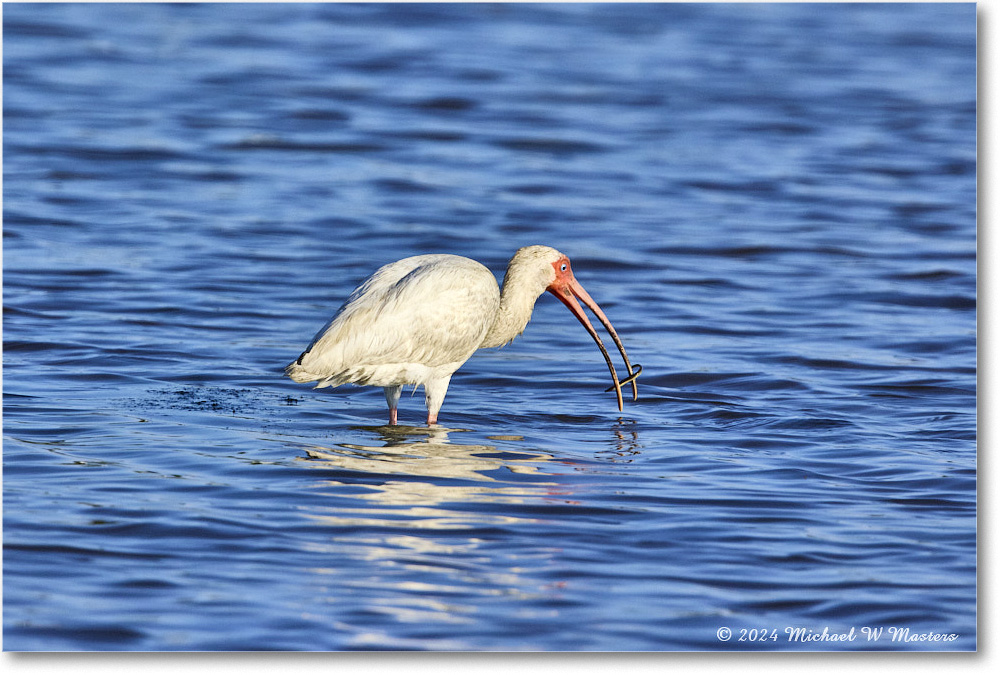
x,y
295,371
299,373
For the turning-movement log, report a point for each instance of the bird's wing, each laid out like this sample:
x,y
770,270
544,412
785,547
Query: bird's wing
x,y
369,292
432,310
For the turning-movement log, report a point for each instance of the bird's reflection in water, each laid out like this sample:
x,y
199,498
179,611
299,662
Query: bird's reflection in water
x,y
423,514
434,521
431,471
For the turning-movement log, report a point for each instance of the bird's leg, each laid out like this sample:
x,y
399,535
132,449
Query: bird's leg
x,y
434,391
392,398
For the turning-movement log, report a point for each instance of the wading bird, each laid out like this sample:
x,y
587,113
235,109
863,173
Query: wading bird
x,y
417,320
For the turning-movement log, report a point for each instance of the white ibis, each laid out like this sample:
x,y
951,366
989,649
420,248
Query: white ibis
x,y
417,320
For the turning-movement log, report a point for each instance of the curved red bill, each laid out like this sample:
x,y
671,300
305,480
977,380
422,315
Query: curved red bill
x,y
568,289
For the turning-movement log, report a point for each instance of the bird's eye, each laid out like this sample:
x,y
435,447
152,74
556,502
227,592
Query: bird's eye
x,y
563,267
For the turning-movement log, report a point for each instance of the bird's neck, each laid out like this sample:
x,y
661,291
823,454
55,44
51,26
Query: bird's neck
x,y
517,300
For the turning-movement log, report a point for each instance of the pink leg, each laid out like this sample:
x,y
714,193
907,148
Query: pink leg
x,y
392,398
434,391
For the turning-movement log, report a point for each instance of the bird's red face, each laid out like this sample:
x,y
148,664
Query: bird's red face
x,y
564,273
568,290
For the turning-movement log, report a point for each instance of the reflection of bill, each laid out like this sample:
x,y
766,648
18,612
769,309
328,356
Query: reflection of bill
x,y
626,443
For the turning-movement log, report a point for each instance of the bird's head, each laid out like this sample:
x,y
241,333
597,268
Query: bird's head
x,y
549,270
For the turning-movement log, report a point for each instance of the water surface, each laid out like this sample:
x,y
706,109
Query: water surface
x,y
775,205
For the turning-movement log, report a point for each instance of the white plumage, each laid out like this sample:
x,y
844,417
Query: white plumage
x,y
417,320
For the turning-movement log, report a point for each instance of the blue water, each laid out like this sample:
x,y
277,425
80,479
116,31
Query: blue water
x,y
774,204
